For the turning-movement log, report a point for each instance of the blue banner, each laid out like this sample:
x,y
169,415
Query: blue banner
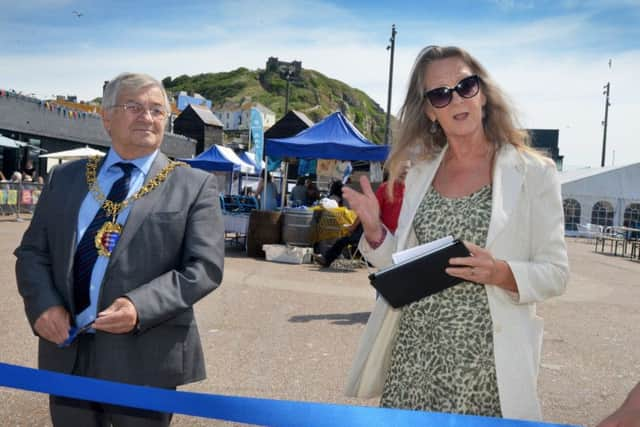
x,y
307,167
257,136
249,410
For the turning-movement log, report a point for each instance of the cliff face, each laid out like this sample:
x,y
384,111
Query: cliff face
x,y
313,93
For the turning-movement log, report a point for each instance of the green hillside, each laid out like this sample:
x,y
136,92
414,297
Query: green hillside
x,y
314,94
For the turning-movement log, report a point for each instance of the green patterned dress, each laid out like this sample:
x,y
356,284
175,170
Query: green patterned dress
x,y
443,360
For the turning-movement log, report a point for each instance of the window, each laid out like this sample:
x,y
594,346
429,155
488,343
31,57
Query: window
x,y
602,214
572,212
632,215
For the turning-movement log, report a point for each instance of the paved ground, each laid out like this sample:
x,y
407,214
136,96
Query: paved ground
x,y
289,332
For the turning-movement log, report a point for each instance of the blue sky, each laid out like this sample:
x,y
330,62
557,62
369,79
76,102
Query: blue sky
x,y
551,57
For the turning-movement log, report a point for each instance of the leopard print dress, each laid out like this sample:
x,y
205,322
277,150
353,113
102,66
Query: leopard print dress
x,y
442,358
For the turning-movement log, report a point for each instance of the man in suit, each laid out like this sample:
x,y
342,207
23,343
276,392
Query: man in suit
x,y
127,246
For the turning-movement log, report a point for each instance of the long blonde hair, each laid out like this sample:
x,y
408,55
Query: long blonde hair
x,y
414,141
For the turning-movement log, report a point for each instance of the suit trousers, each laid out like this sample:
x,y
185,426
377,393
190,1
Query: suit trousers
x,y
73,412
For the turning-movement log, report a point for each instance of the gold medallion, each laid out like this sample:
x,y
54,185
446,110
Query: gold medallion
x,y
107,238
109,234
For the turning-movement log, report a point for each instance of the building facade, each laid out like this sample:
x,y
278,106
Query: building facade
x,y
48,127
234,117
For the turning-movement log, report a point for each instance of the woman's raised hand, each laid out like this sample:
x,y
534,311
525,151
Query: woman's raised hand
x,y
366,206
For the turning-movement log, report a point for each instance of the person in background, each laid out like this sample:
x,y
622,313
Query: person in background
x,y
335,192
29,170
390,201
352,238
2,177
298,192
248,191
16,177
473,348
313,193
120,249
628,415
268,202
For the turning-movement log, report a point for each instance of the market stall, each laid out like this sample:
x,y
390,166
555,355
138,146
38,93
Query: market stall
x,y
335,137
235,209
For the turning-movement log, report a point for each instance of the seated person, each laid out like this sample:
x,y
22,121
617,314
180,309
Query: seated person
x,y
355,231
313,193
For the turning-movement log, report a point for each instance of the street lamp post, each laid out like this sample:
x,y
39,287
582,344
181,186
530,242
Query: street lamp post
x,y
286,102
391,47
287,74
605,121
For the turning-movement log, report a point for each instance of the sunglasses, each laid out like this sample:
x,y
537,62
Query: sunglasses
x,y
441,97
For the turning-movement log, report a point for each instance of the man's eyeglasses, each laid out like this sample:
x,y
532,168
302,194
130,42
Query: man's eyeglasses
x,y
157,111
441,97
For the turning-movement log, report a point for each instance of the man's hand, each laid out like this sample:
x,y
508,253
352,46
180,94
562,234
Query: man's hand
x,y
119,318
53,325
628,415
623,417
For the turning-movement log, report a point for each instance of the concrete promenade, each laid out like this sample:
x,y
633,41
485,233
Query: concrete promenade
x,y
290,331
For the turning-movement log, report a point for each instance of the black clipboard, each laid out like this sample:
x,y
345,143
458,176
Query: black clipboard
x,y
418,277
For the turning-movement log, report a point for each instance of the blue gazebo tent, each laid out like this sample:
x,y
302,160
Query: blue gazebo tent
x,y
250,158
212,160
332,138
219,158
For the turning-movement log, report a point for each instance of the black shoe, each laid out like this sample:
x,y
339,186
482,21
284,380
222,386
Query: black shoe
x,y
319,258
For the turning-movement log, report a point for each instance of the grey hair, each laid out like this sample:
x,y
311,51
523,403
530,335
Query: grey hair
x,y
130,82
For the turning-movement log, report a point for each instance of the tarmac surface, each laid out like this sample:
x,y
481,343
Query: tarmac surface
x,y
287,331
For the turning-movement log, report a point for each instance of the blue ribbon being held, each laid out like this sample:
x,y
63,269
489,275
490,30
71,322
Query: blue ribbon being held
x,y
249,410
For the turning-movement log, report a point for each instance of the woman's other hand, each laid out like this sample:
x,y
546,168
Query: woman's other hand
x,y
366,206
482,267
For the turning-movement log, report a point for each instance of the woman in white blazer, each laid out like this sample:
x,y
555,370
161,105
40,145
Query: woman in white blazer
x,y
473,348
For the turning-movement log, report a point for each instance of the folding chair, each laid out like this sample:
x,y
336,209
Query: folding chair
x,y
355,255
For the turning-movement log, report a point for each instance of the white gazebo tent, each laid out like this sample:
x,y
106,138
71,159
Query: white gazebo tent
x,y
608,196
67,155
76,153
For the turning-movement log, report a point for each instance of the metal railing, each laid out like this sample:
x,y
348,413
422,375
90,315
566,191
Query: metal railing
x,y
18,199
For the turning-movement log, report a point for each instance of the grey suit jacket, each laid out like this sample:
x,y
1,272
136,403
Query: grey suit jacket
x,y
170,255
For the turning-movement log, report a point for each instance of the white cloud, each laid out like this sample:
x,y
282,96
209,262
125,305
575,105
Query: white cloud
x,y
552,83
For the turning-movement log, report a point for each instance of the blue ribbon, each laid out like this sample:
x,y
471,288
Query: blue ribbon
x,y
249,410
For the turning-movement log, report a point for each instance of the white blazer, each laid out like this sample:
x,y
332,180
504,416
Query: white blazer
x,y
527,231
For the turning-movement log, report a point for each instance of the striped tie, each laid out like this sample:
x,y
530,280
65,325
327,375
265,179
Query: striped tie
x,y
86,252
